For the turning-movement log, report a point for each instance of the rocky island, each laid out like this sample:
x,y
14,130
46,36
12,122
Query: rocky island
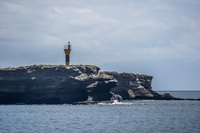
x,y
59,84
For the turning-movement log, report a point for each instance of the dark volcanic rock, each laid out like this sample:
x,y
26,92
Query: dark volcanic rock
x,y
54,84
135,86
40,84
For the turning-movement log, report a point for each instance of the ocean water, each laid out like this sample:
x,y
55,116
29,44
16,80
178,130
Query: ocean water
x,y
155,116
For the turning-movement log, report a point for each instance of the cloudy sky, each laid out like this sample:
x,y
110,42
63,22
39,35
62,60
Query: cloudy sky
x,y
155,37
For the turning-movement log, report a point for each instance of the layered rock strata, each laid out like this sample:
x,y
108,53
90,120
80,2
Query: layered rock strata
x,y
135,86
54,84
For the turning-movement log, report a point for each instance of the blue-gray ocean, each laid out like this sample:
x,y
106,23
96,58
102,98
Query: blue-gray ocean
x,y
153,116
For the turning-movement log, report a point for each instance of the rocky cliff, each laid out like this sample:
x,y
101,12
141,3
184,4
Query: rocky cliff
x,y
54,84
40,84
135,86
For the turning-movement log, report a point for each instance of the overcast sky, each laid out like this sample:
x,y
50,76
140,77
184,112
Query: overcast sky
x,y
155,37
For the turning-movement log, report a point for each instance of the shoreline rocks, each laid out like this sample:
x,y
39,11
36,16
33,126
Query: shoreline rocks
x,y
136,86
53,84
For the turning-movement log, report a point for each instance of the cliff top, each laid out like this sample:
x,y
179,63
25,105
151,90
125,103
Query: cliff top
x,y
48,66
125,73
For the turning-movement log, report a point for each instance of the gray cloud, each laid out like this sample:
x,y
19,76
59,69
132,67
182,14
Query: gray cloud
x,y
101,32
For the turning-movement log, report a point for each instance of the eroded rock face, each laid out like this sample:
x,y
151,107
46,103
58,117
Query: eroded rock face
x,y
133,86
57,84
71,85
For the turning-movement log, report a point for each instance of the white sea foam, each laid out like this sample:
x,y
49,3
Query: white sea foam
x,y
115,102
